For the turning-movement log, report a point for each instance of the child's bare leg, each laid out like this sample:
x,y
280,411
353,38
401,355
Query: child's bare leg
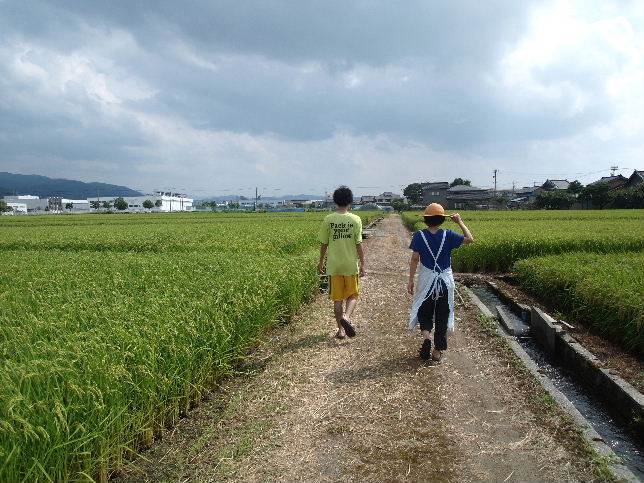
x,y
351,304
338,312
426,334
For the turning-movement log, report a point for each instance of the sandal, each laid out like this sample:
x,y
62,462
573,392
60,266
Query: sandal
x,y
437,355
339,335
348,328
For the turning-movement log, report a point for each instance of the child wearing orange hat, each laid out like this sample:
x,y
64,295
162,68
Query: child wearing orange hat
x,y
433,304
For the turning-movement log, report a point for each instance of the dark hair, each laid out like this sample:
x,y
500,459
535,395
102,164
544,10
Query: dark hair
x,y
343,196
435,220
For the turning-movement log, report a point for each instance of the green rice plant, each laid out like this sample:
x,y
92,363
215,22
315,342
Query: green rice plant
x,y
503,237
110,328
266,232
603,290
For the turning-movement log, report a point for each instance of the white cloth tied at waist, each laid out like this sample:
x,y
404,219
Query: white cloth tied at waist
x,y
429,285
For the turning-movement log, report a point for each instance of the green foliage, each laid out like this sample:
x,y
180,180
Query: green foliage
x,y
400,205
414,193
575,187
554,200
158,203
596,195
95,205
148,205
460,181
120,204
69,206
111,325
604,290
627,198
3,206
107,205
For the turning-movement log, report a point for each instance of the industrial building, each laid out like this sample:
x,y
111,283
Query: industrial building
x,y
163,201
32,204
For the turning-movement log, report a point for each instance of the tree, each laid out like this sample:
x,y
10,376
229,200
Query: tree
x,y
4,207
414,193
148,205
107,205
460,181
502,201
627,198
95,204
69,206
158,203
120,203
575,187
596,194
399,205
554,200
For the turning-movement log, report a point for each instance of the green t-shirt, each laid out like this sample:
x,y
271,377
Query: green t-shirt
x,y
341,232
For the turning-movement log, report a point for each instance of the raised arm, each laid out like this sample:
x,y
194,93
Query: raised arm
x,y
456,218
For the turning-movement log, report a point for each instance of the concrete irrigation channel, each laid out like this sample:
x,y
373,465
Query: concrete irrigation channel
x,y
608,409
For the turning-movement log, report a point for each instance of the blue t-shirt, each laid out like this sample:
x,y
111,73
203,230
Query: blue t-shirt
x,y
453,240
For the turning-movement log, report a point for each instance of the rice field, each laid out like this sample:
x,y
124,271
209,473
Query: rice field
x,y
604,290
112,326
504,237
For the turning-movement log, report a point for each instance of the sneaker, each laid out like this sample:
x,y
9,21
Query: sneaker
x,y
348,328
425,350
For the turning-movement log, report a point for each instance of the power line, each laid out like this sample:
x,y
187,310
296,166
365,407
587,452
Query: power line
x,y
560,174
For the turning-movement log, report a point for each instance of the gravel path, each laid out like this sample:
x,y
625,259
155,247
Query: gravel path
x,y
307,407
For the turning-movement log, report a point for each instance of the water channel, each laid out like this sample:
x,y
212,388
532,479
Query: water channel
x,y
610,426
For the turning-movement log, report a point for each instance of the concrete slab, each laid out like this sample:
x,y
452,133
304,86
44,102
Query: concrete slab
x,y
545,329
511,324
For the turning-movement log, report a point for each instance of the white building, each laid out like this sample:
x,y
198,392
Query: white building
x,y
17,207
77,205
33,203
162,200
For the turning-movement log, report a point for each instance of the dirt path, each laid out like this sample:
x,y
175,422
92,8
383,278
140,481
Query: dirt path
x,y
310,408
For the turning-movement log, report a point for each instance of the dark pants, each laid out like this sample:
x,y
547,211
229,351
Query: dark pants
x,y
435,311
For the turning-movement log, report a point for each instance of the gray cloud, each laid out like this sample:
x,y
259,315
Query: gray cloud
x,y
126,83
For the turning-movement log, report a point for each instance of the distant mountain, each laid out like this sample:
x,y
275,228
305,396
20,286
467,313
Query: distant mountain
x,y
42,186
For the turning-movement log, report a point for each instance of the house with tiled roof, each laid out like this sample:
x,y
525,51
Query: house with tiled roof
x,y
555,184
435,192
464,196
636,179
614,182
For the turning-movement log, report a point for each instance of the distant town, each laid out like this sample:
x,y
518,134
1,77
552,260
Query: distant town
x,y
616,191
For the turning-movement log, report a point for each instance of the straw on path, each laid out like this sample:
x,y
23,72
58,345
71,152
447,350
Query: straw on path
x,y
311,408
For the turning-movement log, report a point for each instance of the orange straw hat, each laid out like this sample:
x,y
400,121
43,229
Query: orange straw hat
x,y
434,210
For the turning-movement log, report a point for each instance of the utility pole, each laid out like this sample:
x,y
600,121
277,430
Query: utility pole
x,y
513,185
495,171
255,198
613,169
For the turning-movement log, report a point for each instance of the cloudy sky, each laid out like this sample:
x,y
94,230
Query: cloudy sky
x,y
299,96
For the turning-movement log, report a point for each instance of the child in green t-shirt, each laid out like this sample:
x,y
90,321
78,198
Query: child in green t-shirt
x,y
341,243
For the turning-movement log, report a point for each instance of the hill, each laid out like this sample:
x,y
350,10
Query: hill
x,y
43,186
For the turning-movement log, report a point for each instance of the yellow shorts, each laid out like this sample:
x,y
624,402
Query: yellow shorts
x,y
343,287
